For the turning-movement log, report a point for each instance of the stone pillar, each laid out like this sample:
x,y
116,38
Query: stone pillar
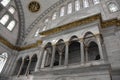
x,y
39,61
28,66
53,56
66,53
60,59
82,51
99,46
86,53
20,68
43,59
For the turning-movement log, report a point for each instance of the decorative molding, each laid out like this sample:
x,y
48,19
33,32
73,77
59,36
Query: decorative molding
x,y
84,21
8,44
21,23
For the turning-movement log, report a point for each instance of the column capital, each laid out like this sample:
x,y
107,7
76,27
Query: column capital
x,y
67,43
97,35
81,39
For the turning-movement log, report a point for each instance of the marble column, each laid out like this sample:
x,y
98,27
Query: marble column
x,y
53,56
66,53
60,59
82,51
43,59
20,68
99,46
39,61
28,66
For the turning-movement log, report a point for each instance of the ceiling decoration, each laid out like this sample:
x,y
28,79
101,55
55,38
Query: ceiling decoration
x,y
34,6
43,15
21,21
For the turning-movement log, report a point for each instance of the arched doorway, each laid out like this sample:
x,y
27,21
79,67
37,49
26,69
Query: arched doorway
x,y
74,50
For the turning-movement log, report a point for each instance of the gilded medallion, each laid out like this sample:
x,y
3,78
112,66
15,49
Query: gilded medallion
x,y
34,6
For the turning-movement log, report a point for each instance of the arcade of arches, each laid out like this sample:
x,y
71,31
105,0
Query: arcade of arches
x,y
75,51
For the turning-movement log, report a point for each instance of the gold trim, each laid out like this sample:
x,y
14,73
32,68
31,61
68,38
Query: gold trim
x,y
8,44
90,19
104,24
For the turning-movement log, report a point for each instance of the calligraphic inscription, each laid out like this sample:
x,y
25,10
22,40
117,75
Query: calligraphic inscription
x,y
34,6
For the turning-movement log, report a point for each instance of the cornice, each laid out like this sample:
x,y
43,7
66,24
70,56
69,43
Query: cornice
x,y
84,21
8,44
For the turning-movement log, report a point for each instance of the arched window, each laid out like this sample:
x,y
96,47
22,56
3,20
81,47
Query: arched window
x,y
77,5
18,65
47,55
74,51
59,53
25,65
5,2
11,10
113,7
33,63
37,32
69,9
4,19
62,11
93,52
3,59
86,3
91,47
96,1
11,25
54,16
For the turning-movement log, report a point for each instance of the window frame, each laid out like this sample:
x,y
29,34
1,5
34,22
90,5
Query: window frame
x,y
60,13
70,8
14,25
6,21
77,3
